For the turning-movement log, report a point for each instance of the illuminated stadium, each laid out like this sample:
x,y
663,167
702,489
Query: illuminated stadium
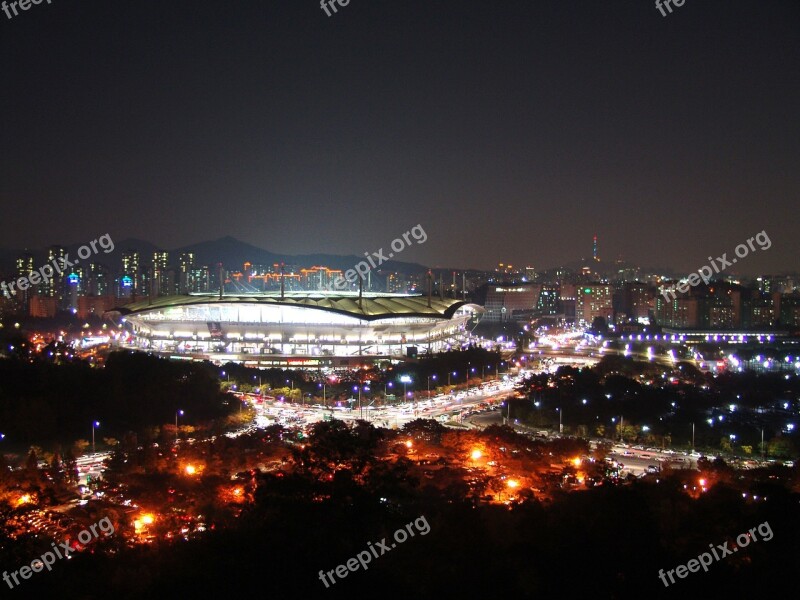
x,y
298,328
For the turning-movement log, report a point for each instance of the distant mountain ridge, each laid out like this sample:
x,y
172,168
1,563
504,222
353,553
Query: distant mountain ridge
x,y
231,252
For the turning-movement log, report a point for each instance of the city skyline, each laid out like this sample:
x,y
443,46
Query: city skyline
x,y
592,258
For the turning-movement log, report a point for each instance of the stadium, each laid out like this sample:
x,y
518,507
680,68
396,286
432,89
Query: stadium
x,y
297,329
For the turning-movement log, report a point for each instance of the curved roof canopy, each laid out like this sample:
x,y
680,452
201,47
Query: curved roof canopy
x,y
371,307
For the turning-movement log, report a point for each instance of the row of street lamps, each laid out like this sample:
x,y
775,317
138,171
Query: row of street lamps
x,y
96,424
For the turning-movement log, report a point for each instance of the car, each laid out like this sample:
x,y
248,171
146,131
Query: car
x,y
652,469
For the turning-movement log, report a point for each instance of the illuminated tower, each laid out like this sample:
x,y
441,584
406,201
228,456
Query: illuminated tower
x,y
594,249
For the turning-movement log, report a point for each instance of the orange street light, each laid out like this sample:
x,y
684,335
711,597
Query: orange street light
x,y
476,454
140,523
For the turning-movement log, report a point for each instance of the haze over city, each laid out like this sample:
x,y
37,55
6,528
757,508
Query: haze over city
x,y
533,126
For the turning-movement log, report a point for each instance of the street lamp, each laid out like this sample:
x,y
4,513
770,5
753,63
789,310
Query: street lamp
x,y
360,411
95,425
358,388
386,387
177,412
429,384
405,379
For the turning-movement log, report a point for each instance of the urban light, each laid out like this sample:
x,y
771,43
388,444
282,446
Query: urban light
x,y
177,413
95,425
429,384
405,379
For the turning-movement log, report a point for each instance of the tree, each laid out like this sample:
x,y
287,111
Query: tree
x,y
32,461
780,446
599,325
601,451
79,447
56,468
425,429
70,466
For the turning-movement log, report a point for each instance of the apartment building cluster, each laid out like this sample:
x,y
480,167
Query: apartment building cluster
x,y
768,302
95,287
721,305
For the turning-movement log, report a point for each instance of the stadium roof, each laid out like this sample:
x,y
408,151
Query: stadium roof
x,y
373,306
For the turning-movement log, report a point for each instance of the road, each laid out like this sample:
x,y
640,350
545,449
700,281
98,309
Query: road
x,y
636,460
442,408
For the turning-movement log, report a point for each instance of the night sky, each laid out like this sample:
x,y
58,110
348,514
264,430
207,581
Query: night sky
x,y
510,130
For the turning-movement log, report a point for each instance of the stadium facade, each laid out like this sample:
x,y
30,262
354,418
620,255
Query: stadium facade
x,y
306,329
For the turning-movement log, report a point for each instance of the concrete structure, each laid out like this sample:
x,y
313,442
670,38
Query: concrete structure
x,y
297,328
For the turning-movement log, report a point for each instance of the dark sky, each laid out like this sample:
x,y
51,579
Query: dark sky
x,y
510,130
